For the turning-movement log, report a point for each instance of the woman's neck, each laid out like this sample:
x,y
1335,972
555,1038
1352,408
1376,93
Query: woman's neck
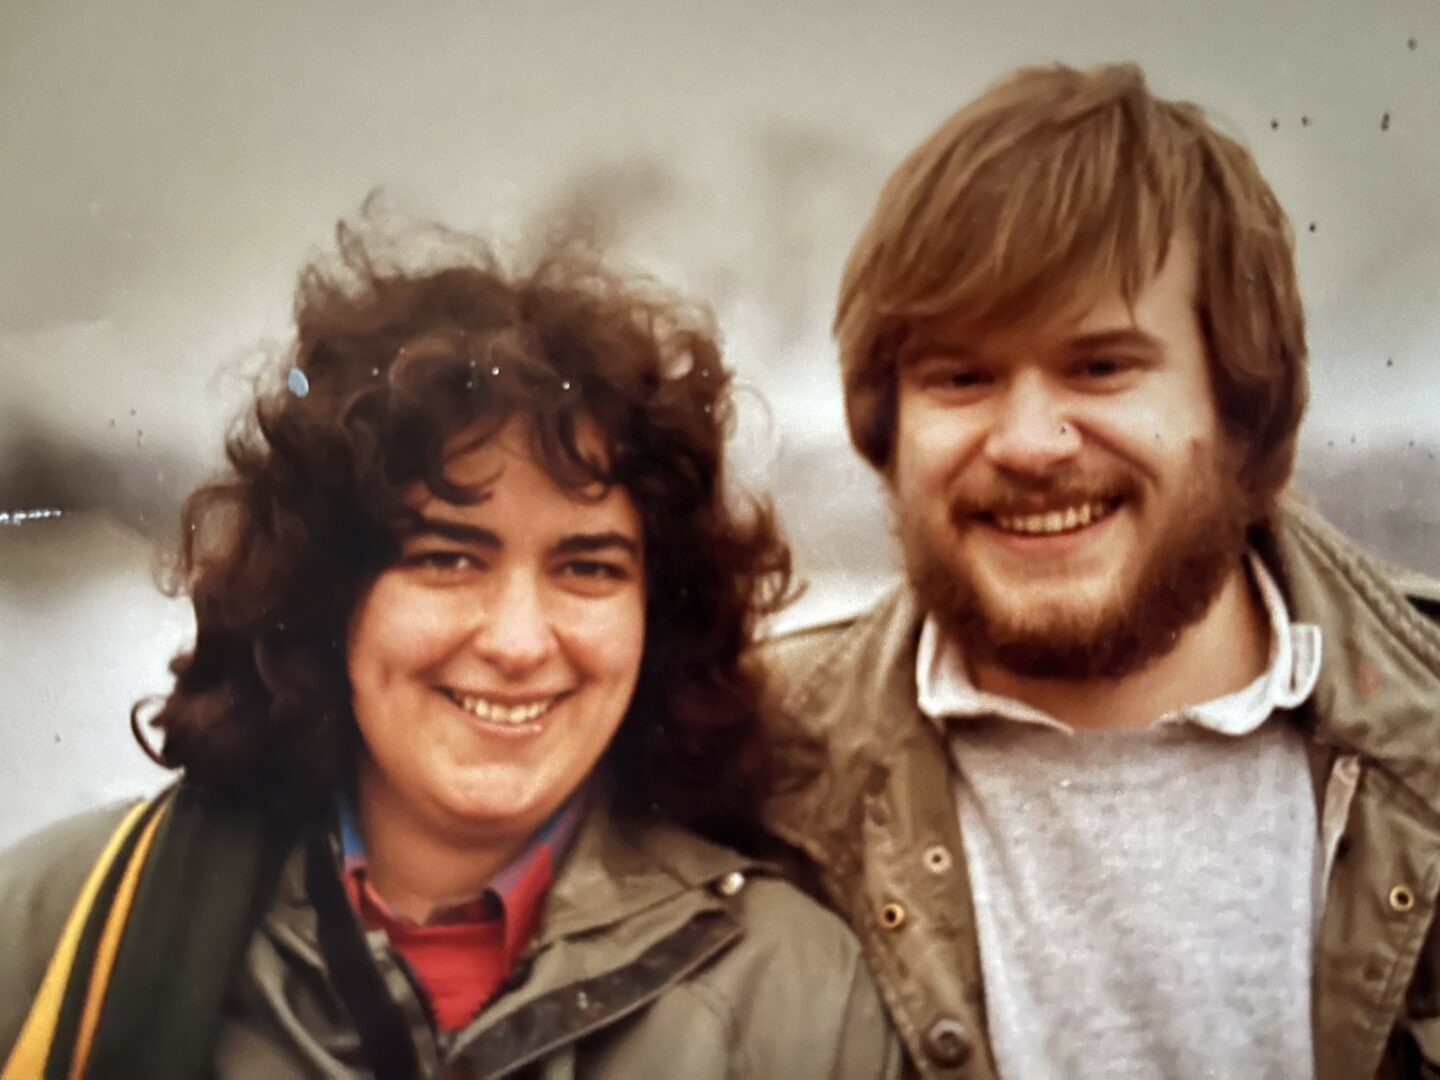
x,y
416,866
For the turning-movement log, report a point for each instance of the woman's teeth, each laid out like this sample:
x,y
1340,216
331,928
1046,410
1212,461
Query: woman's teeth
x,y
1054,521
496,713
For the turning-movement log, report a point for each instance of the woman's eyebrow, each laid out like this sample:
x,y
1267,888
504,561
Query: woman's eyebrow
x,y
592,543
458,531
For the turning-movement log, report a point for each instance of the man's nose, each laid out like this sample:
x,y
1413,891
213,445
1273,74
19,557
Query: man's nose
x,y
1031,432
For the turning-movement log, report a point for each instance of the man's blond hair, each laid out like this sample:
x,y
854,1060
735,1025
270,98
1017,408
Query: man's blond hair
x,y
1054,186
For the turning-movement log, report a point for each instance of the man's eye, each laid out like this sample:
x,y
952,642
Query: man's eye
x,y
954,377
1100,367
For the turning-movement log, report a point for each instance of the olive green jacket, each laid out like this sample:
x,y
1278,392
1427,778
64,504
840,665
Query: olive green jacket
x,y
867,800
659,956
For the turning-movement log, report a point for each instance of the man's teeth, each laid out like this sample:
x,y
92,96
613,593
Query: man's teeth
x,y
1053,521
496,713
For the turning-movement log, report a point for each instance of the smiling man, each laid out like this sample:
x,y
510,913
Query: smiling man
x,y
1138,775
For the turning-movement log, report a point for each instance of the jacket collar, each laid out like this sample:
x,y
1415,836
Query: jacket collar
x,y
1378,693
616,868
849,717
629,914
620,866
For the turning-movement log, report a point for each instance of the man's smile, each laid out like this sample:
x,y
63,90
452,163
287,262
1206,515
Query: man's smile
x,y
1054,520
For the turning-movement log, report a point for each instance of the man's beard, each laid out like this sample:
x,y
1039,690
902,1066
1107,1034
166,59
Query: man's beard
x,y
1185,567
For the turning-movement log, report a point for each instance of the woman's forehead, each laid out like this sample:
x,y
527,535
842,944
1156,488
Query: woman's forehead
x,y
484,445
505,470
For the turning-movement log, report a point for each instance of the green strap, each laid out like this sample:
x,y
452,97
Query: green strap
x,y
72,1006
208,879
47,1043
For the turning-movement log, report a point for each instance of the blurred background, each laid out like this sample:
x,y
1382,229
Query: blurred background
x,y
166,168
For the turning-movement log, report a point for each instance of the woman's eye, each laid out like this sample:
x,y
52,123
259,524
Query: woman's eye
x,y
595,577
964,378
442,561
594,570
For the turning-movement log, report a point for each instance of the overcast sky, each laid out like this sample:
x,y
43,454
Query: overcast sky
x,y
167,165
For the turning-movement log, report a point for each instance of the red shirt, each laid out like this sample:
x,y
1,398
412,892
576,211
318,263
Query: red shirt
x,y
462,954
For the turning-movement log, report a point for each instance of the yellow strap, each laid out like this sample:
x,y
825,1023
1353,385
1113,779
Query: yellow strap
x,y
109,946
27,1059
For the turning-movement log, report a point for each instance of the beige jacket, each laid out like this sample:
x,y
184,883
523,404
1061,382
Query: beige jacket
x,y
659,956
868,802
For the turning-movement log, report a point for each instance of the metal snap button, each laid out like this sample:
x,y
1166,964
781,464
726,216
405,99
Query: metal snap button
x,y
947,1043
731,883
937,859
892,916
1402,899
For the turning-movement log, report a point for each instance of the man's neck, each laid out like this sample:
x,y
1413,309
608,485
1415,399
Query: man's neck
x,y
416,868
1223,652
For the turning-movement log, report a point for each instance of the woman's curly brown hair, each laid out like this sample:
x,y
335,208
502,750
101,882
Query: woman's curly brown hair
x,y
389,365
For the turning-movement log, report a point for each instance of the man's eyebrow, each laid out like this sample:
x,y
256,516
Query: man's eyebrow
x,y
455,530
919,349
1126,337
593,543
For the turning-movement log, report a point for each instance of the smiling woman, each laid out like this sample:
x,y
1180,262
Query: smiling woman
x,y
467,688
